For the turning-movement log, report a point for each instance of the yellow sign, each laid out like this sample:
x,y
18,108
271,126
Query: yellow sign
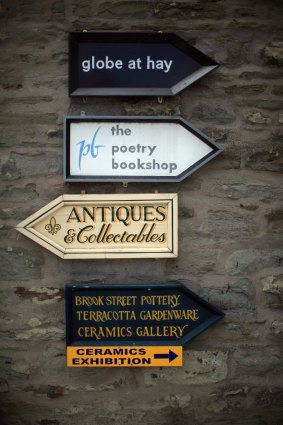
x,y
124,356
106,226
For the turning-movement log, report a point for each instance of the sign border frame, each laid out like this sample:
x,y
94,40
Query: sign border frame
x,y
170,252
175,284
132,119
75,38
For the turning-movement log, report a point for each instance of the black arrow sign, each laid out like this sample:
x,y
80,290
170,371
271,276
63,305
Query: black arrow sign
x,y
170,356
116,315
133,64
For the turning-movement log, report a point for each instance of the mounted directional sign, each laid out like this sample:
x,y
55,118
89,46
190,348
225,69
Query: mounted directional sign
x,y
134,149
107,226
86,356
133,64
129,318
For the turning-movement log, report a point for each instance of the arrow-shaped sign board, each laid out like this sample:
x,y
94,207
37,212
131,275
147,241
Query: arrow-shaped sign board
x,y
130,356
161,315
107,226
133,64
134,149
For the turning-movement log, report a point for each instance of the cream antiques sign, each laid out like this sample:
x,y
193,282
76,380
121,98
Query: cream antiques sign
x,y
133,149
133,325
106,226
133,64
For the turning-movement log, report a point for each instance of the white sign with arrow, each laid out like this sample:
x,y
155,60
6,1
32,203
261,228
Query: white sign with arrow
x,y
134,149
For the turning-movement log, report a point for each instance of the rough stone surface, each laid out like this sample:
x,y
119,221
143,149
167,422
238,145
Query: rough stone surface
x,y
199,367
220,224
40,334
15,213
186,212
196,263
13,194
137,9
271,105
169,106
257,361
229,217
40,295
251,260
266,158
242,421
273,53
257,118
273,285
219,113
4,388
233,52
247,90
277,327
240,190
271,397
237,296
254,75
20,264
21,367
29,166
275,221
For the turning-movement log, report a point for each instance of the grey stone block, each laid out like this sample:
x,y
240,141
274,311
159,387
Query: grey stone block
x,y
256,75
226,225
277,327
273,285
129,9
245,91
257,361
217,113
20,165
275,221
272,53
18,195
252,260
199,367
20,265
238,296
240,190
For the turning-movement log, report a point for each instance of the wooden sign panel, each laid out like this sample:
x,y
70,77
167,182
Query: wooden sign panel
x,y
133,325
133,64
106,226
136,149
121,315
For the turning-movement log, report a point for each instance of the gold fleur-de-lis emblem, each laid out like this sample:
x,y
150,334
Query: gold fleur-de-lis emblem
x,y
52,227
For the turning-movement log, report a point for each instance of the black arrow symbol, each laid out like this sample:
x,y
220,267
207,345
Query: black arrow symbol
x,y
171,356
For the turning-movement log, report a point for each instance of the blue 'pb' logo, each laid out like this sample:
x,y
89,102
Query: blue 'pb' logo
x,y
85,149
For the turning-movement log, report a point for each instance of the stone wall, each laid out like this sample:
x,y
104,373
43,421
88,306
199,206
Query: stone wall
x,y
230,218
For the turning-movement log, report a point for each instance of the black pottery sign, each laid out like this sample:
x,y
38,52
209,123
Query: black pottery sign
x,y
139,315
134,149
133,64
